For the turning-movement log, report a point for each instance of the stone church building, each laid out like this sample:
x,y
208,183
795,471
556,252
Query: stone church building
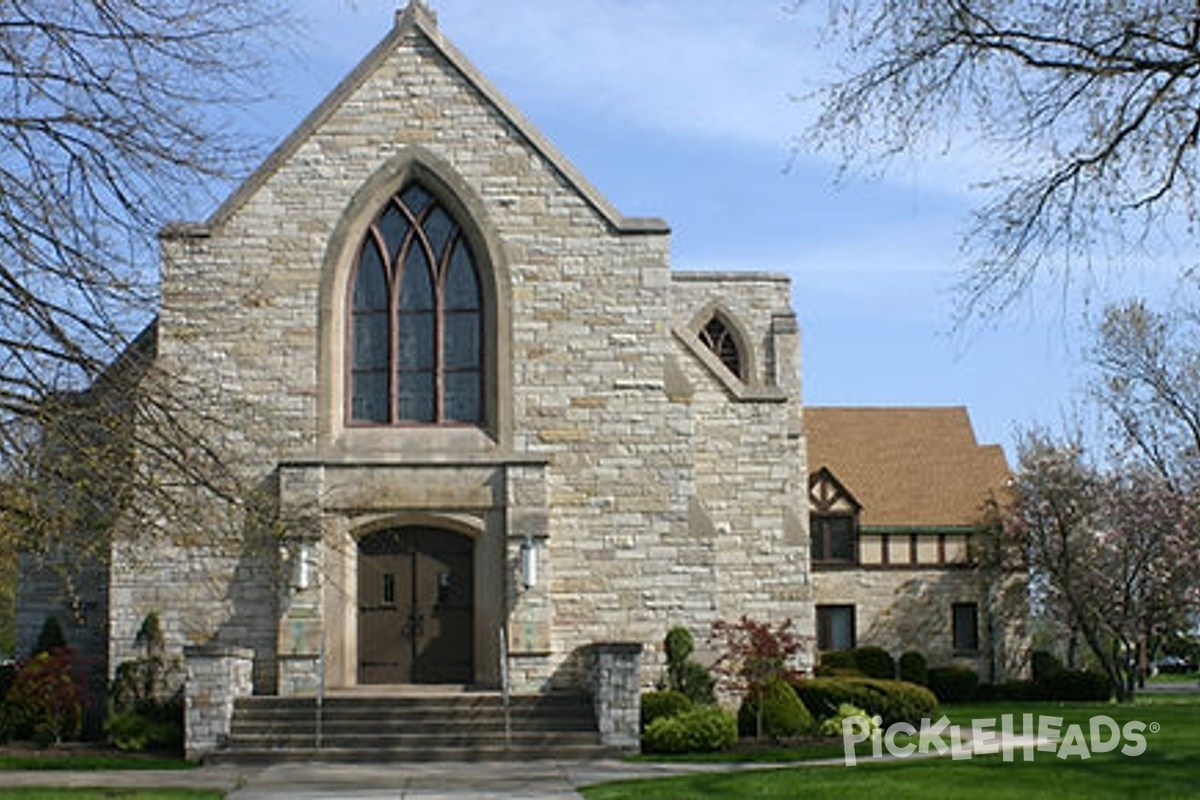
x,y
495,428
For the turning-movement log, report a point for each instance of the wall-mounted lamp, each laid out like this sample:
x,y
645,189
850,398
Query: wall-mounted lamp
x,y
302,568
529,562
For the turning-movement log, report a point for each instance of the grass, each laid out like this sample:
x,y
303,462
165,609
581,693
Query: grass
x,y
1166,769
38,793
88,762
1175,677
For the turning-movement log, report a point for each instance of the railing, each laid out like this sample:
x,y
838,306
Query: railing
x,y
504,692
320,709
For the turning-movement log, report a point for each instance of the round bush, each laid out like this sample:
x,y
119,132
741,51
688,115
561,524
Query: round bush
x,y
913,668
663,704
838,659
833,725
783,714
1044,665
875,662
704,729
894,701
953,684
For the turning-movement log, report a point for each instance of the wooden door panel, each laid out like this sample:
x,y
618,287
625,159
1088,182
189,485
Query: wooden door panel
x,y
416,607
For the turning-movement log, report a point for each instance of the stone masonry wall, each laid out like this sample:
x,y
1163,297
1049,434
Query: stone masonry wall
x,y
749,455
590,348
904,610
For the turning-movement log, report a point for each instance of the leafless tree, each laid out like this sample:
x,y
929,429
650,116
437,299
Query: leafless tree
x,y
1089,108
1149,384
113,116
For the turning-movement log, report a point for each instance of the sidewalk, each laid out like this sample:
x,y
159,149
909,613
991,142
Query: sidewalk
x,y
491,780
535,780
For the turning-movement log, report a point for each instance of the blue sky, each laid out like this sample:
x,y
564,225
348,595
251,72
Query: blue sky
x,y
691,112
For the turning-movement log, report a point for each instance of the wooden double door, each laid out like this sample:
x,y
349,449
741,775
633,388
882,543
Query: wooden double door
x,y
416,612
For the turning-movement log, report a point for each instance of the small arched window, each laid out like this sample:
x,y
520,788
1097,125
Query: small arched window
x,y
718,338
416,333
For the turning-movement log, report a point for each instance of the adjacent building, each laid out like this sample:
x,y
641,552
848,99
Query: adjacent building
x,y
897,503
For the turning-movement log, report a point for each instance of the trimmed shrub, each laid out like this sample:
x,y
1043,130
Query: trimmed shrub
x,y
894,701
684,674
874,662
838,659
1067,685
913,668
783,714
1077,685
668,703
1043,664
151,726
953,684
704,729
50,638
833,725
678,646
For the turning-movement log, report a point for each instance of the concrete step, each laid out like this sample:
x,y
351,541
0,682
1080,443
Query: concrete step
x,y
430,726
404,755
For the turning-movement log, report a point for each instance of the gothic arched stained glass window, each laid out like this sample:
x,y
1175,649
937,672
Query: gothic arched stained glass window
x,y
717,337
416,333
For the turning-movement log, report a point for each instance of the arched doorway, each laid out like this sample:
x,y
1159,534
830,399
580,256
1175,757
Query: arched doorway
x,y
416,607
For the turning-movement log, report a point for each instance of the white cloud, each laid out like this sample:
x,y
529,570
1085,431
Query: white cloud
x,y
699,69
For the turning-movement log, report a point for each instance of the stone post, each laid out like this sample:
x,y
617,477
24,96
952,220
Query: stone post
x,y
217,675
614,676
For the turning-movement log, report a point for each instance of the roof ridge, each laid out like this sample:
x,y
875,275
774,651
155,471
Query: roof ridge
x,y
416,16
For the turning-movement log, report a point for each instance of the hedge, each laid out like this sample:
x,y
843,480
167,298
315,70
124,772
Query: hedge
x,y
874,662
784,715
913,668
953,684
1066,685
704,729
837,662
894,701
667,703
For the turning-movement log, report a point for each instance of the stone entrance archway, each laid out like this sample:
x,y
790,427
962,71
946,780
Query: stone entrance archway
x,y
416,607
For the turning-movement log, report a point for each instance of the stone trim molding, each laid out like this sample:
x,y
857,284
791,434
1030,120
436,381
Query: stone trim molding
x,y
740,392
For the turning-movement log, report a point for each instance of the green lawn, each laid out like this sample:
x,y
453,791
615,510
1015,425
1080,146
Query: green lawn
x,y
1190,677
37,793
1166,769
51,760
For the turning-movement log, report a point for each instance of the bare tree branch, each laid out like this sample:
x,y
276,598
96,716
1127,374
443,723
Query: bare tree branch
x,y
1096,99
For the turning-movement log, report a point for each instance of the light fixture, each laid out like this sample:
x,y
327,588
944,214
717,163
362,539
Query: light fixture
x,y
529,562
302,568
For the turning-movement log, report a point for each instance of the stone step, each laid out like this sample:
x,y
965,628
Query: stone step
x,y
406,755
462,726
399,741
408,725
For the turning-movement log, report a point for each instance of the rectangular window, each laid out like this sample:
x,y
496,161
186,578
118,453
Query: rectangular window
x,y
389,589
966,626
835,627
833,539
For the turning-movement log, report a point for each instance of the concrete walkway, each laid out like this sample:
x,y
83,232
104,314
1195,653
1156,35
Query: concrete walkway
x,y
534,780
529,780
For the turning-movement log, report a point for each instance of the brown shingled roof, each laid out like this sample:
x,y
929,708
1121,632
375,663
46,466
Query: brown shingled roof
x,y
908,467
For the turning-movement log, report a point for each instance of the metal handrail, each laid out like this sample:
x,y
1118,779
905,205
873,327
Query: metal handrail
x,y
504,692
